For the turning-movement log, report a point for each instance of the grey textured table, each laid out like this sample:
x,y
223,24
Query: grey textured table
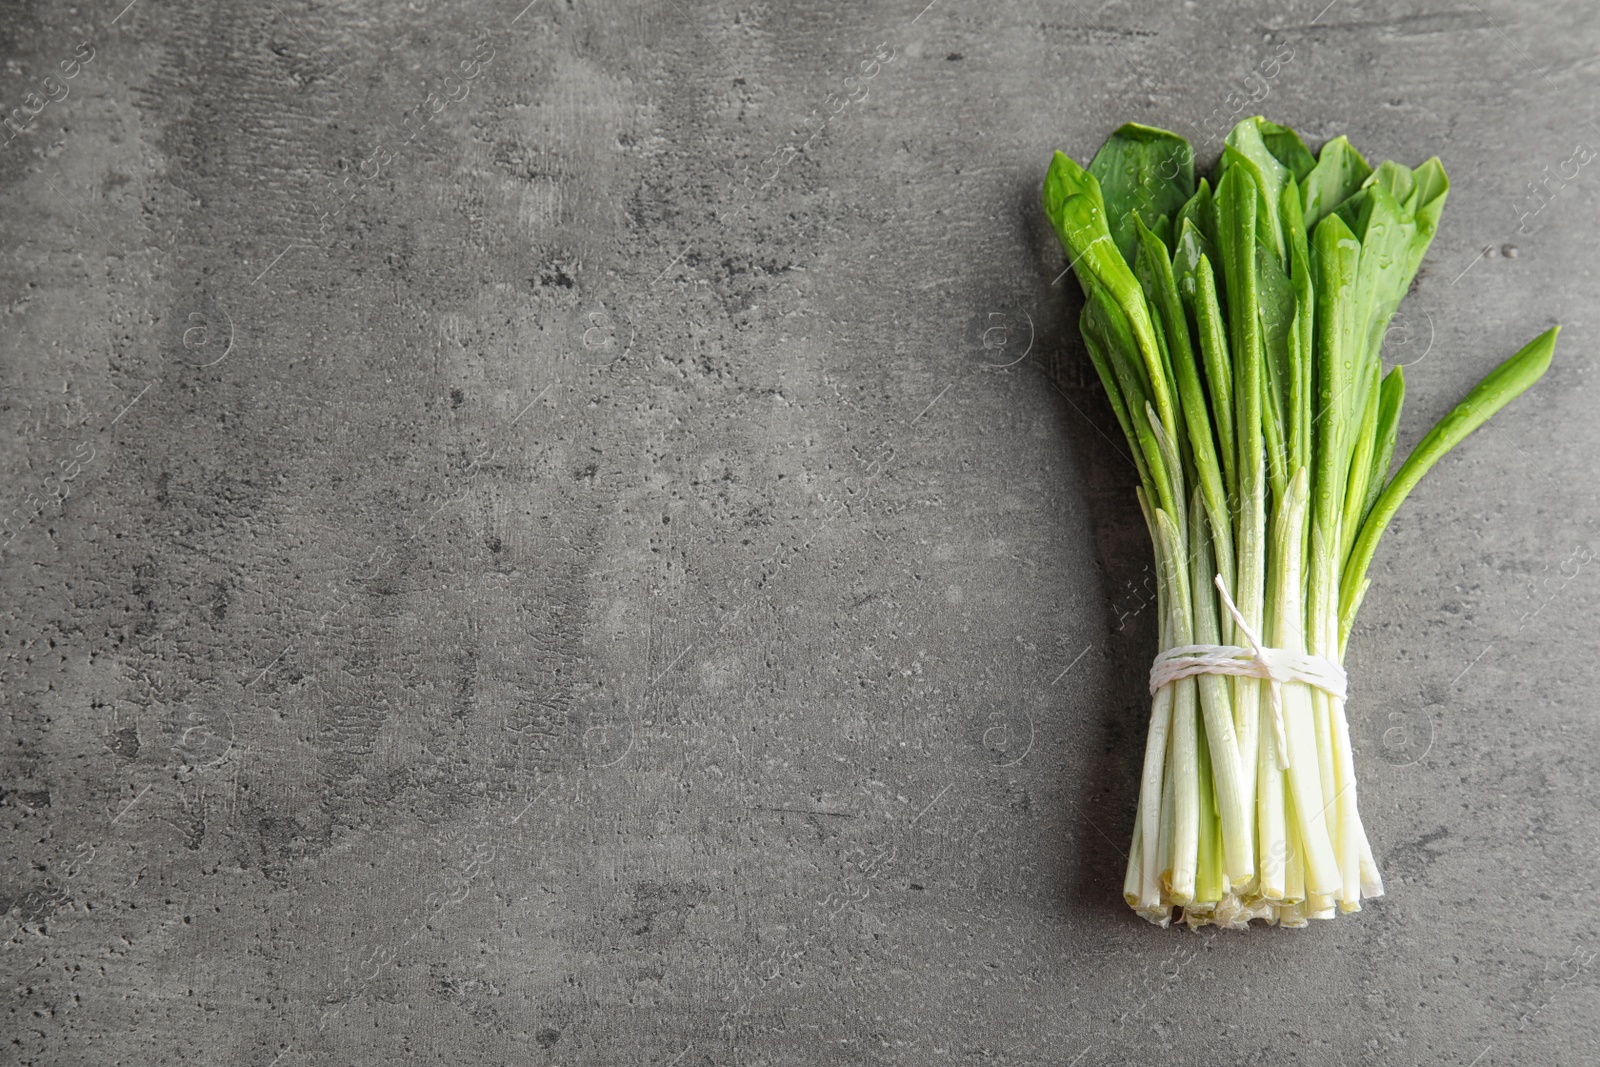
x,y
581,534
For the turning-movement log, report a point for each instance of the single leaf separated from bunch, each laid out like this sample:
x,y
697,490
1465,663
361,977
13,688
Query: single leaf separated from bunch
x,y
1235,324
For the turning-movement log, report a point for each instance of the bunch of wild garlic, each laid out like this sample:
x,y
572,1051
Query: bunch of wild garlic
x,y
1236,325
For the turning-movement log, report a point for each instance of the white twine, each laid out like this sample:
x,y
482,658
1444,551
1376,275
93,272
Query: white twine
x,y
1276,666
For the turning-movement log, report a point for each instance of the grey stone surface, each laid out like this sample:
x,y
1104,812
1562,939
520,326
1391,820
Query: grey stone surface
x,y
582,568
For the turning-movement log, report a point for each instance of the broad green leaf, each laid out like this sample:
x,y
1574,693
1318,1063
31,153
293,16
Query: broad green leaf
x,y
1394,177
1245,147
1388,235
1429,183
1145,174
1425,204
1065,178
1339,172
1287,148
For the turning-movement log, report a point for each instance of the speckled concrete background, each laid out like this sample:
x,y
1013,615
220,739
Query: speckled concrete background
x,y
580,534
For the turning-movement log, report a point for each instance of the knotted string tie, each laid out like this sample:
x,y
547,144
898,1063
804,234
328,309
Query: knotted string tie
x,y
1276,666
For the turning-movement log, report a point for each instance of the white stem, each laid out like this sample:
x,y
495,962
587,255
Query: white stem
x,y
1322,723
1216,705
1294,866
1293,916
1272,845
1185,763
1133,878
1321,866
1358,872
1371,882
1183,760
1246,721
1249,593
1151,795
1350,832
1164,852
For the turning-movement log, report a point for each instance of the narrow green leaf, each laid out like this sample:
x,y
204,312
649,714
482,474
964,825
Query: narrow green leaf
x,y
1171,463
1335,265
1153,268
1212,331
1236,212
1080,224
1276,305
1273,433
1361,457
1502,385
1201,212
1103,316
1391,396
1237,197
1161,287
1302,336
1186,256
1108,381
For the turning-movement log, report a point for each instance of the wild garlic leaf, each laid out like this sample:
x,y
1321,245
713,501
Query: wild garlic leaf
x,y
1146,173
1287,148
1339,172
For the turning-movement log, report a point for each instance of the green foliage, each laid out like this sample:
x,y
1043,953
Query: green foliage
x,y
1235,323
